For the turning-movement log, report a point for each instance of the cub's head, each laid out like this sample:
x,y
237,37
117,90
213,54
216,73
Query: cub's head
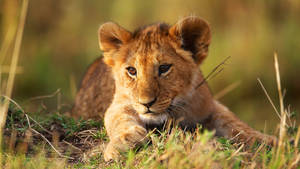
x,y
156,64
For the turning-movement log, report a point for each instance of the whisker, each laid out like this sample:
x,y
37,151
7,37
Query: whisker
x,y
178,108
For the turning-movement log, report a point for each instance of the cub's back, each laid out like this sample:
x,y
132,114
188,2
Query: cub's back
x,y
96,91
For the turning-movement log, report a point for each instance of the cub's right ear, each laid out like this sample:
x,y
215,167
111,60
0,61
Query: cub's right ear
x,y
112,36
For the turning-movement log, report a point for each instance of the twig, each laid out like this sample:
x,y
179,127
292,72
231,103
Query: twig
x,y
257,151
27,116
6,69
213,73
269,98
236,152
29,125
57,92
14,63
76,148
282,111
238,134
226,90
279,85
28,120
51,144
86,132
45,96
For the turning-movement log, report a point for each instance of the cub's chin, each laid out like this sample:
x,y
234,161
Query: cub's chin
x,y
154,118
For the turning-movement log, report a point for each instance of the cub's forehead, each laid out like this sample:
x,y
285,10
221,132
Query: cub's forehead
x,y
151,31
151,37
150,42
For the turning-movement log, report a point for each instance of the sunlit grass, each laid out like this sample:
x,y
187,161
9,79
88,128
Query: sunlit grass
x,y
174,148
16,41
22,148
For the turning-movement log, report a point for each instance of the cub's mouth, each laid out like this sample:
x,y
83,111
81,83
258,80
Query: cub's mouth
x,y
149,112
154,112
165,108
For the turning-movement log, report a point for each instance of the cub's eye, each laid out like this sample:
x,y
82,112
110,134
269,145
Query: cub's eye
x,y
131,71
164,68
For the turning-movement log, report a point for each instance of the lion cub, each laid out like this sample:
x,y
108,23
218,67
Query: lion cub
x,y
149,76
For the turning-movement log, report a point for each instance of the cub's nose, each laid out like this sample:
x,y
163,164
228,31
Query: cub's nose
x,y
149,103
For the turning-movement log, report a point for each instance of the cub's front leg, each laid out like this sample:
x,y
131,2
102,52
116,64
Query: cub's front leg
x,y
125,131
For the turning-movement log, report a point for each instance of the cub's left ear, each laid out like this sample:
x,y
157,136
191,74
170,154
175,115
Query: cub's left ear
x,y
193,34
112,36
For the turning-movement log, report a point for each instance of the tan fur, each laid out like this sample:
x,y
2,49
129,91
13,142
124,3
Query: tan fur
x,y
123,96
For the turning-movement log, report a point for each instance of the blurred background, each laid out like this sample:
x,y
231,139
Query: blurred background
x,y
60,41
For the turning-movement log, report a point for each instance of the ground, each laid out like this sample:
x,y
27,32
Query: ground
x,y
54,140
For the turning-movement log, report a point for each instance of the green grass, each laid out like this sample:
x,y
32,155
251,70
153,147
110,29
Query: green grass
x,y
40,139
172,148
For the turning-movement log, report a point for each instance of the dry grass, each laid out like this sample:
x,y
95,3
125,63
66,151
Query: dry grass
x,y
14,62
57,141
166,149
13,67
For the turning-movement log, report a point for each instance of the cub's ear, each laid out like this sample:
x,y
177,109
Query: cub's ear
x,y
193,34
112,36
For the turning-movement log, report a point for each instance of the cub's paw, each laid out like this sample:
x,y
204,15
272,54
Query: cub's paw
x,y
134,135
111,153
127,139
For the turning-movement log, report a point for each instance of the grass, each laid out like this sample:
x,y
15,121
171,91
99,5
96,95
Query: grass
x,y
54,140
173,148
